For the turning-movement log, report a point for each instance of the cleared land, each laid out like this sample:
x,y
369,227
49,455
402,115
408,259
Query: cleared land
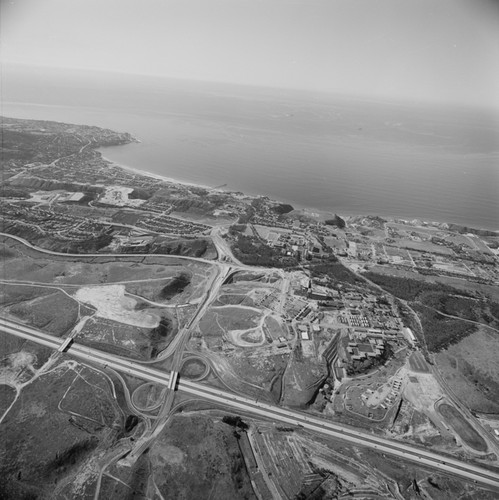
x,y
457,421
418,363
239,325
129,340
471,370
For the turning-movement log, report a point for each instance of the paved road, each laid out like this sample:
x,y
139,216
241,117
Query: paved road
x,y
113,255
153,255
282,415
181,341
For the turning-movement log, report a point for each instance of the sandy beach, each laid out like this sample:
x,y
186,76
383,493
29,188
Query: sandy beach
x,y
310,212
145,173
336,174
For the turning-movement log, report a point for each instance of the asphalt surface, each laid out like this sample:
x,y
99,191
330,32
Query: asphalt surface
x,y
282,415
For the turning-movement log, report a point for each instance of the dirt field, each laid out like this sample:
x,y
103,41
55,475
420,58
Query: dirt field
x,y
418,363
275,328
169,291
302,379
457,421
393,271
129,340
111,303
240,326
256,372
471,370
230,299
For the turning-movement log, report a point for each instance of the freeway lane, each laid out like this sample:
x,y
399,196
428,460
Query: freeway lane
x,y
226,399
180,342
421,457
87,353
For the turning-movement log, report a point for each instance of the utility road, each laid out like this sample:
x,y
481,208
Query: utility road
x,y
282,415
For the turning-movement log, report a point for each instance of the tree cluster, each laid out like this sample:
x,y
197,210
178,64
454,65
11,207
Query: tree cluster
x,y
440,332
250,251
235,421
336,221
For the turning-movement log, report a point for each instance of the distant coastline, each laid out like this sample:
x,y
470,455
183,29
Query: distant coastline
x,y
320,161
145,173
309,210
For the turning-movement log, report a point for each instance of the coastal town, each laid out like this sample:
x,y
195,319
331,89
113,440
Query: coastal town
x,y
363,322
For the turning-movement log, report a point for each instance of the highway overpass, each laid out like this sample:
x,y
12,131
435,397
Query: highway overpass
x,y
282,415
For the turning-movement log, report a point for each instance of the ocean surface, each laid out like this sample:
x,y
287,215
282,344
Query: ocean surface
x,y
330,153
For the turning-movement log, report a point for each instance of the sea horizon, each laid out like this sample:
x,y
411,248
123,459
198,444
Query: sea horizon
x,y
344,157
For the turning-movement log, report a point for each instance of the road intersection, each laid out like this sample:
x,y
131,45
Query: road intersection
x,y
245,405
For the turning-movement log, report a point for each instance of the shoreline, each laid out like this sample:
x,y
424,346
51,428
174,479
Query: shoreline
x,y
306,210
323,211
296,207
144,173
24,110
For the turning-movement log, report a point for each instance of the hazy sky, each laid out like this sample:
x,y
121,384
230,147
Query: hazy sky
x,y
446,50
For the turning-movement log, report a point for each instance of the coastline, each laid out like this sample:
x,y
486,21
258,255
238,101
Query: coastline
x,y
146,173
297,207
311,211
322,212
354,197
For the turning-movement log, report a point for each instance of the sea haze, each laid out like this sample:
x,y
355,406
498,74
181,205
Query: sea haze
x,y
338,154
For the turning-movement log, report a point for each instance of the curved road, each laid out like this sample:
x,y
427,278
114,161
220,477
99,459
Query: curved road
x,y
401,450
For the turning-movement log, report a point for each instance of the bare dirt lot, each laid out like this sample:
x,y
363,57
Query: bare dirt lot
x,y
257,373
111,303
418,363
241,326
129,340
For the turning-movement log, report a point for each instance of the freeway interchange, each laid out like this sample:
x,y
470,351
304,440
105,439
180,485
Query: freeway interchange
x,y
267,411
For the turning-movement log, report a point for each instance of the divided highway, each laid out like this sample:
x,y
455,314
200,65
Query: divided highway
x,y
265,410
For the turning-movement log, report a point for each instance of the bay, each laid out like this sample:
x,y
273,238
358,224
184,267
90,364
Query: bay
x,y
330,153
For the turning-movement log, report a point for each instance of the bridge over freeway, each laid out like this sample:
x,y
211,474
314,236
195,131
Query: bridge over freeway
x,y
442,463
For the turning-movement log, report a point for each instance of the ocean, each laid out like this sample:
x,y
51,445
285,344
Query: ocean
x,y
329,153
